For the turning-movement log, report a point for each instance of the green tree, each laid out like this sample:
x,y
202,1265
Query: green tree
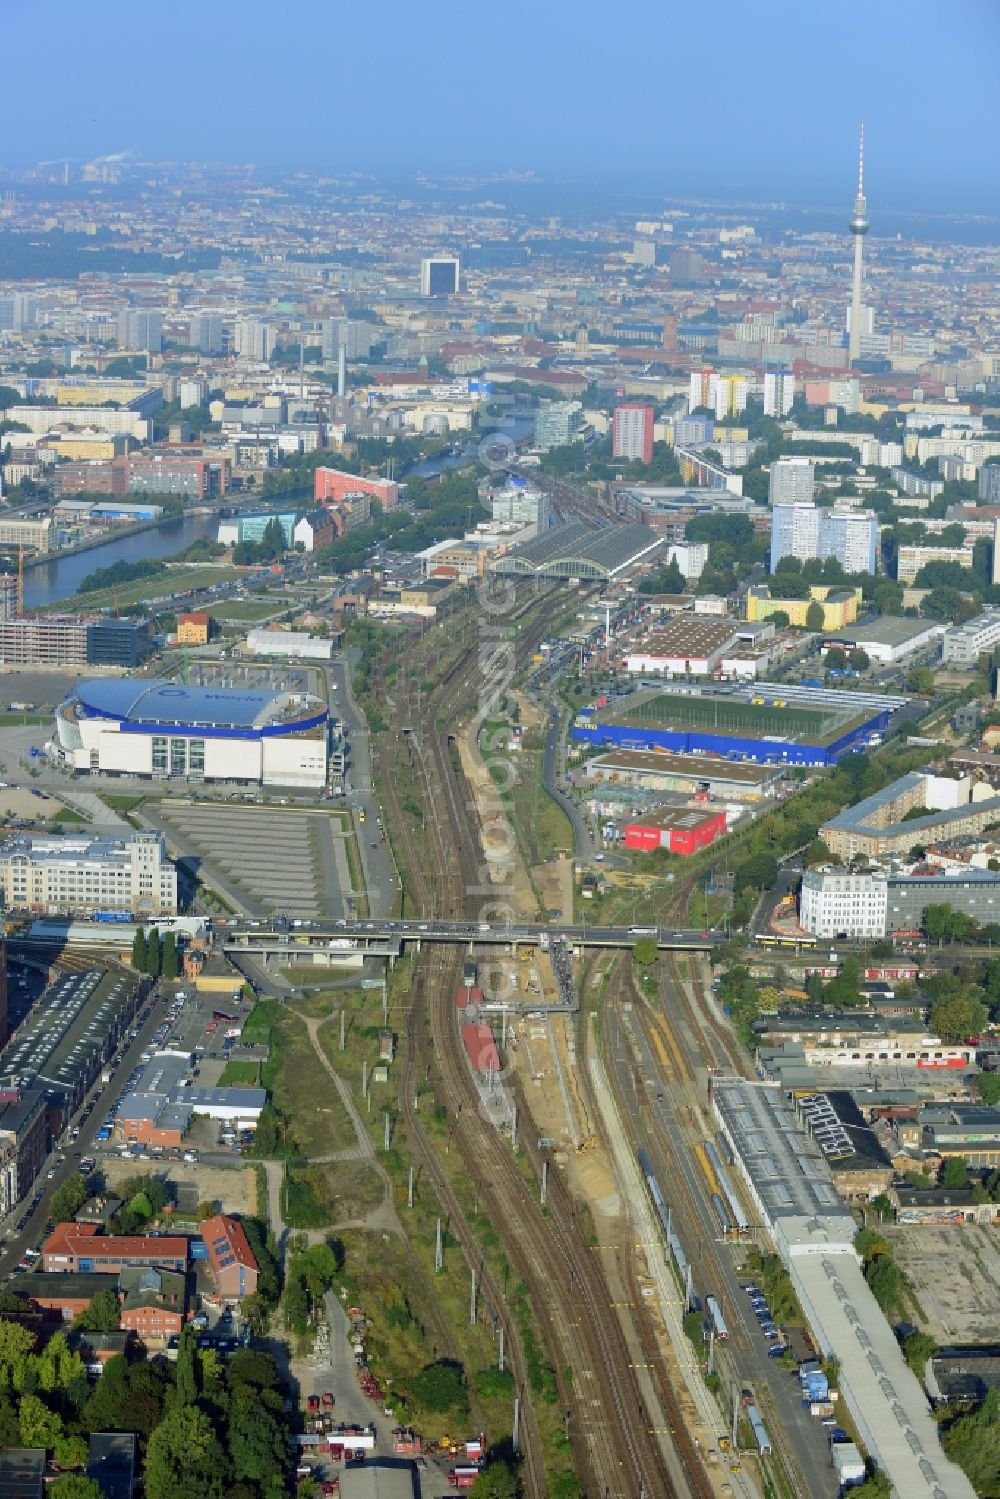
x,y
258,1444
186,1371
814,616
184,1459
16,1343
858,659
918,1347
498,1481
645,952
920,681
71,1451
102,1315
876,1486
956,1016
955,1173
74,1486
440,1387
759,872
973,1441
58,1368
68,1199
153,954
988,1085
139,950
885,1280
835,659
168,961
40,1426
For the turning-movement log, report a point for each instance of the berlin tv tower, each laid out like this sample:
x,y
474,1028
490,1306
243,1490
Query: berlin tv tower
x,y
859,228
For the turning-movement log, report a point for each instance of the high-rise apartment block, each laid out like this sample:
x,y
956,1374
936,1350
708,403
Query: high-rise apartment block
x,y
779,392
810,532
18,312
439,276
726,395
791,481
205,332
254,339
632,432
730,396
989,483
140,330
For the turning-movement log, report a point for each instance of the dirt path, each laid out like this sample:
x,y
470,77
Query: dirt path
x,y
384,1217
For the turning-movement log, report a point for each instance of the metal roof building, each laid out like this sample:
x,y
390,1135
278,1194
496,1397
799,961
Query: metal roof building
x,y
576,551
790,1181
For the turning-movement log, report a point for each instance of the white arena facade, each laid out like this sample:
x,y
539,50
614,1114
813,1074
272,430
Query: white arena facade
x,y
166,730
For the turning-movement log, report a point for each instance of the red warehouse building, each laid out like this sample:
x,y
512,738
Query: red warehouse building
x,y
680,830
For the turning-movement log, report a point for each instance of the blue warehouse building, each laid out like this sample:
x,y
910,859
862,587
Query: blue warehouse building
x,y
766,731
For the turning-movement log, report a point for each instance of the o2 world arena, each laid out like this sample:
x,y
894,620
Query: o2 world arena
x,y
165,729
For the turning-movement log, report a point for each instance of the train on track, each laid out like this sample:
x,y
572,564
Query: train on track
x,y
714,1310
759,1430
674,1249
738,1221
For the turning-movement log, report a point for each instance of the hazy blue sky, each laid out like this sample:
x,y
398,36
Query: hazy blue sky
x,y
726,99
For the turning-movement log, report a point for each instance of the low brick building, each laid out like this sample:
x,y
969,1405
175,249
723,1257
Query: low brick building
x,y
62,1297
82,1246
231,1262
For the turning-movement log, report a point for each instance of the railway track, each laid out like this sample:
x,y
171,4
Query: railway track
x,y
610,1429
694,1209
549,1250
416,1057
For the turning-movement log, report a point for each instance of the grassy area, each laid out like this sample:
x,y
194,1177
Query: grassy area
x,y
123,805
357,875
68,814
300,1086
240,1075
247,611
395,1286
179,579
307,974
36,719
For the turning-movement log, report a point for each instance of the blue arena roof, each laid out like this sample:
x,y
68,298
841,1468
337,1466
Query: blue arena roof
x,y
173,703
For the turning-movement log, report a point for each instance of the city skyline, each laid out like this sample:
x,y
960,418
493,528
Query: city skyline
x,y
438,99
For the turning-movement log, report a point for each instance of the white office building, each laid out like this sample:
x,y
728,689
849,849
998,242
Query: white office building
x,y
791,482
64,874
964,644
834,903
779,392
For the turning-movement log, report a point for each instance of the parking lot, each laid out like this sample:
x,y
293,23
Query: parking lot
x,y
277,859
955,1270
195,1025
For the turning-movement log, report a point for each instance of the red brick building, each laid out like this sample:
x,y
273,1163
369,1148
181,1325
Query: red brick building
x,y
231,1263
82,1247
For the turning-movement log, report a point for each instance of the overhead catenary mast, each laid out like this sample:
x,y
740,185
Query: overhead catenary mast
x,y
859,228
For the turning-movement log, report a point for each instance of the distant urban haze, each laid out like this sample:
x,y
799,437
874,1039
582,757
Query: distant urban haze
x,y
736,103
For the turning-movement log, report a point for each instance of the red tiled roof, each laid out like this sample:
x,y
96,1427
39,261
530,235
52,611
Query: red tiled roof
x,y
221,1228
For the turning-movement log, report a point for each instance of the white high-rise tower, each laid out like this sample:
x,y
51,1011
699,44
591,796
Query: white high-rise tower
x,y
859,228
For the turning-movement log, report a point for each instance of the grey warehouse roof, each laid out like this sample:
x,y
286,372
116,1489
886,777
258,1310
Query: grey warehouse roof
x,y
577,551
